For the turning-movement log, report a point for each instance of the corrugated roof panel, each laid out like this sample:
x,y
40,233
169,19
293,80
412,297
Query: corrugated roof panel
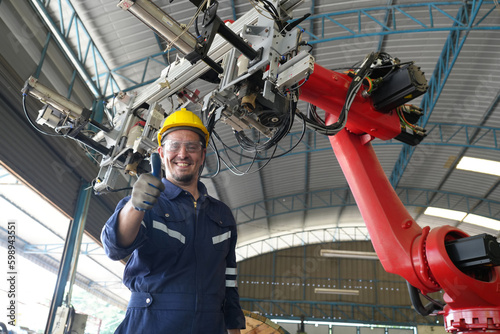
x,y
475,230
427,168
286,223
470,183
387,156
285,177
495,194
326,218
243,189
324,171
257,229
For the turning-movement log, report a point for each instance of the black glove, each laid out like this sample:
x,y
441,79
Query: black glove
x,y
146,191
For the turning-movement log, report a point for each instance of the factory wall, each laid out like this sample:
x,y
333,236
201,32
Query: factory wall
x,y
292,275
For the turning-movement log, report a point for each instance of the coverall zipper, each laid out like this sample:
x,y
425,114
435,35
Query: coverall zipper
x,y
195,262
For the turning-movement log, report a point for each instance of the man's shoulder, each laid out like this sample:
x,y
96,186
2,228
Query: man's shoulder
x,y
216,201
219,206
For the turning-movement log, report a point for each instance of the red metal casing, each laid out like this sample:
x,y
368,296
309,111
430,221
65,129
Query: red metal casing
x,y
327,90
403,247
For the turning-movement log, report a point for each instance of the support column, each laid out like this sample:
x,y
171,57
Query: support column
x,y
70,253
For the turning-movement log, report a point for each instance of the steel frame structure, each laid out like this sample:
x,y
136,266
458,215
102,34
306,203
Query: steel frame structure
x,y
46,261
438,134
395,12
86,248
336,311
464,22
90,56
329,198
86,55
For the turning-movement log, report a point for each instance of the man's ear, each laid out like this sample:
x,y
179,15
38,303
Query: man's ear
x,y
204,155
160,151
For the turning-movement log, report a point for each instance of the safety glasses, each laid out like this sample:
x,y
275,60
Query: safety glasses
x,y
174,146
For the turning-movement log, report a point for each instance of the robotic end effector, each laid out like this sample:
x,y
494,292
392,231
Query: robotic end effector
x,y
123,146
66,117
58,109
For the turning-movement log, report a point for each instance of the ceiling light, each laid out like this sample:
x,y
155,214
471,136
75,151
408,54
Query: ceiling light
x,y
482,221
349,254
445,213
461,216
336,291
479,165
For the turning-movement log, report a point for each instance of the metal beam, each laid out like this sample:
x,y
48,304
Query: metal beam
x,y
160,46
363,30
71,27
295,239
234,10
69,259
472,136
453,45
440,134
329,311
387,20
88,248
331,198
51,264
399,14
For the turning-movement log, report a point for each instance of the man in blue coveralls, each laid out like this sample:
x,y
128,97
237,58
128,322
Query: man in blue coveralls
x,y
182,268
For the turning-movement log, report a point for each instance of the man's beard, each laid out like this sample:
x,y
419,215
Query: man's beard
x,y
184,178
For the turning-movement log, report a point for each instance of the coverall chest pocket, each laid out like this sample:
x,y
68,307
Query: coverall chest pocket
x,y
221,233
169,233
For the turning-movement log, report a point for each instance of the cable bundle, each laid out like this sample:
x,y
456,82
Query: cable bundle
x,y
315,123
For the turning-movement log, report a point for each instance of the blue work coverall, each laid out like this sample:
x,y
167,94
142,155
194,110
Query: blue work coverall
x,y
182,271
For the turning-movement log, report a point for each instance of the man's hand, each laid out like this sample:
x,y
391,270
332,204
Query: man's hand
x,y
146,191
233,331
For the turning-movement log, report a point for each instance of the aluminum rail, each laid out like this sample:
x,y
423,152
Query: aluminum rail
x,y
182,73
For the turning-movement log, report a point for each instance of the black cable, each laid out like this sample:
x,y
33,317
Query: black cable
x,y
382,66
312,111
431,308
213,146
248,145
248,169
198,35
231,165
269,7
297,86
216,135
136,114
352,90
276,156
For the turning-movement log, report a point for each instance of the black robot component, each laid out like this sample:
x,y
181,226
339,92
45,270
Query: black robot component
x,y
400,86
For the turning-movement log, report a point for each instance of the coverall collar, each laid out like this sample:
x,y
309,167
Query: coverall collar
x,y
172,190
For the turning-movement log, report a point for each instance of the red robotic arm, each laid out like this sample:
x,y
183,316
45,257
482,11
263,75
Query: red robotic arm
x,y
404,248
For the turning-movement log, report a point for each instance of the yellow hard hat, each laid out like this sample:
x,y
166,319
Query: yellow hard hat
x,y
183,119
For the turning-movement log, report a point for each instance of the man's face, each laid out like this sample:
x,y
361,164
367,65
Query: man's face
x,y
182,157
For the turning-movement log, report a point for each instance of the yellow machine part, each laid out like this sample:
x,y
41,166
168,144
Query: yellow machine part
x,y
257,324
